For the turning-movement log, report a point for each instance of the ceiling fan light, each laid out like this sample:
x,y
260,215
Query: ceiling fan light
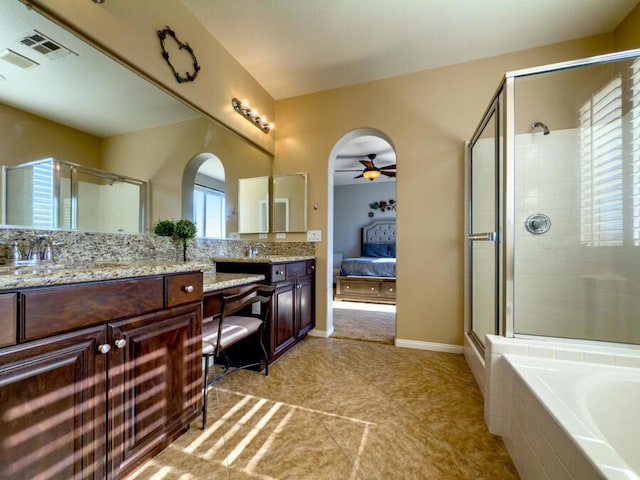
x,y
371,174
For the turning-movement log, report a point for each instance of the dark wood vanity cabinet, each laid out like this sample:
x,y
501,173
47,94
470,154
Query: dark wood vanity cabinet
x,y
96,402
293,312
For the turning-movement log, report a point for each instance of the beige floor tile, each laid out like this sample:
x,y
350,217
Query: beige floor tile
x,y
342,409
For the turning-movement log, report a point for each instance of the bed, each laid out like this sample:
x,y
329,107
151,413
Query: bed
x,y
372,276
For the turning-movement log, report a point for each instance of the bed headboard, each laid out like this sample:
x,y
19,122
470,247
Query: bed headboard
x,y
379,231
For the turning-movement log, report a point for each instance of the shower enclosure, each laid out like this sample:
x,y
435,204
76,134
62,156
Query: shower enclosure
x,y
554,204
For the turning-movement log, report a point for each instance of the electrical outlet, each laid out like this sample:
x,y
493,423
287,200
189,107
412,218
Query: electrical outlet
x,y
314,236
263,236
281,236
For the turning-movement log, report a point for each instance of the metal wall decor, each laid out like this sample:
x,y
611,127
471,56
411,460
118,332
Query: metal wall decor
x,y
190,77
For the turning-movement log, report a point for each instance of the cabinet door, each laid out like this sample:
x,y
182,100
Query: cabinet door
x,y
52,399
155,382
305,309
283,317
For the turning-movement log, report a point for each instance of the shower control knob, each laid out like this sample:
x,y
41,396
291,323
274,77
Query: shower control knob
x,y
537,224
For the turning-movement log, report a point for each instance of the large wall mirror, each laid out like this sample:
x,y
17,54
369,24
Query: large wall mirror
x,y
290,203
61,98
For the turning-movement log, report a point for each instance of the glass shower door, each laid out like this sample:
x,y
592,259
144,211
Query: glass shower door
x,y
483,229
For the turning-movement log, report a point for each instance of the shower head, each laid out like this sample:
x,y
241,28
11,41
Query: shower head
x,y
537,125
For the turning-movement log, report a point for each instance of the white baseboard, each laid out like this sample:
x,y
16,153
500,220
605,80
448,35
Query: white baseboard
x,y
320,333
436,347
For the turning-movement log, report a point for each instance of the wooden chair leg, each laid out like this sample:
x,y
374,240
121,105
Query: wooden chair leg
x,y
266,357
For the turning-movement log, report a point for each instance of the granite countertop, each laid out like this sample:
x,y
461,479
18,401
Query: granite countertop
x,y
220,281
265,259
58,274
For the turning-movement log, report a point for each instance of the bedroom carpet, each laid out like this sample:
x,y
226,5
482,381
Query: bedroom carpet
x,y
334,409
364,321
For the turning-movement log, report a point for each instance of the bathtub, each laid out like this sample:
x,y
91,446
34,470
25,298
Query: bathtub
x,y
569,419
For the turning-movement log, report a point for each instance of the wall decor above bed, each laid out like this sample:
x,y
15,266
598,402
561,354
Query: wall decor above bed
x,y
382,206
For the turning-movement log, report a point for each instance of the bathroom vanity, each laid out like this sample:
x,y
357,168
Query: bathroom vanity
x,y
293,312
97,377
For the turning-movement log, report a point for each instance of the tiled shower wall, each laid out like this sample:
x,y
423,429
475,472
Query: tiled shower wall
x,y
564,288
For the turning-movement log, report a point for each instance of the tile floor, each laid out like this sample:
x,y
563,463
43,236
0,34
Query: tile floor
x,y
342,409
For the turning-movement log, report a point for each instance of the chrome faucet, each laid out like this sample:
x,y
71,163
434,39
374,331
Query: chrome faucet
x,y
254,251
41,248
35,247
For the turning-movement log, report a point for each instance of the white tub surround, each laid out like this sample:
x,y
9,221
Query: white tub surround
x,y
565,410
573,420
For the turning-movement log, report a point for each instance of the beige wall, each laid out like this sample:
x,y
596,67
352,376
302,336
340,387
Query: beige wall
x,y
25,137
428,116
161,155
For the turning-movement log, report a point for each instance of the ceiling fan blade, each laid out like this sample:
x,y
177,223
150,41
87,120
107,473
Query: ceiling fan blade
x,y
367,163
359,176
389,174
388,167
354,170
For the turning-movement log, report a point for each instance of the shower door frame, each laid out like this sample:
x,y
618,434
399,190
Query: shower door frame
x,y
507,194
493,113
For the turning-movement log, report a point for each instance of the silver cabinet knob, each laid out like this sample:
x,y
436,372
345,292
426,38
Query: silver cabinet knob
x,y
373,288
188,288
120,343
104,348
346,286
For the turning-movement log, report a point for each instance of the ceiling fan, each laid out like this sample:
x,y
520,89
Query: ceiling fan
x,y
371,172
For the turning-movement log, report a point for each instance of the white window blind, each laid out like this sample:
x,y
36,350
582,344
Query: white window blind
x,y
634,143
42,195
601,167
610,163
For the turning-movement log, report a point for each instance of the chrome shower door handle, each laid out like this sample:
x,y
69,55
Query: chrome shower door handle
x,y
483,237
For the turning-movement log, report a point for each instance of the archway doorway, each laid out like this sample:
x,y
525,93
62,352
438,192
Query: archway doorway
x,y
361,303
203,195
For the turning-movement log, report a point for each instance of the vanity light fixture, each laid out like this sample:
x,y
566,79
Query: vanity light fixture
x,y
251,114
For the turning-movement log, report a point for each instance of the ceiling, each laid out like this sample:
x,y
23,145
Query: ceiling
x,y
295,47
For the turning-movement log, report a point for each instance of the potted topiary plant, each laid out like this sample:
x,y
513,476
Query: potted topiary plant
x,y
181,230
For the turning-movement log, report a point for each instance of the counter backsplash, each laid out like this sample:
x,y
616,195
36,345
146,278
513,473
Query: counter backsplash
x,y
81,247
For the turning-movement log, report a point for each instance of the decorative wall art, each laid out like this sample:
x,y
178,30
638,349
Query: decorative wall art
x,y
382,206
190,77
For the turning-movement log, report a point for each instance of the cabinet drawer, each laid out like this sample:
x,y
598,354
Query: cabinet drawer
x,y
184,288
361,288
296,269
8,319
278,272
48,311
389,289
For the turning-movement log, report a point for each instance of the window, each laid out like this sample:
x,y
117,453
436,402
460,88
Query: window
x,y
209,212
610,165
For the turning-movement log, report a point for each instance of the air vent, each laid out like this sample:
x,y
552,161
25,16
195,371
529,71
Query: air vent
x,y
44,45
17,60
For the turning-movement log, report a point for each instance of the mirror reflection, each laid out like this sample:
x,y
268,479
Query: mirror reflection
x,y
113,120
53,194
290,203
209,200
253,205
